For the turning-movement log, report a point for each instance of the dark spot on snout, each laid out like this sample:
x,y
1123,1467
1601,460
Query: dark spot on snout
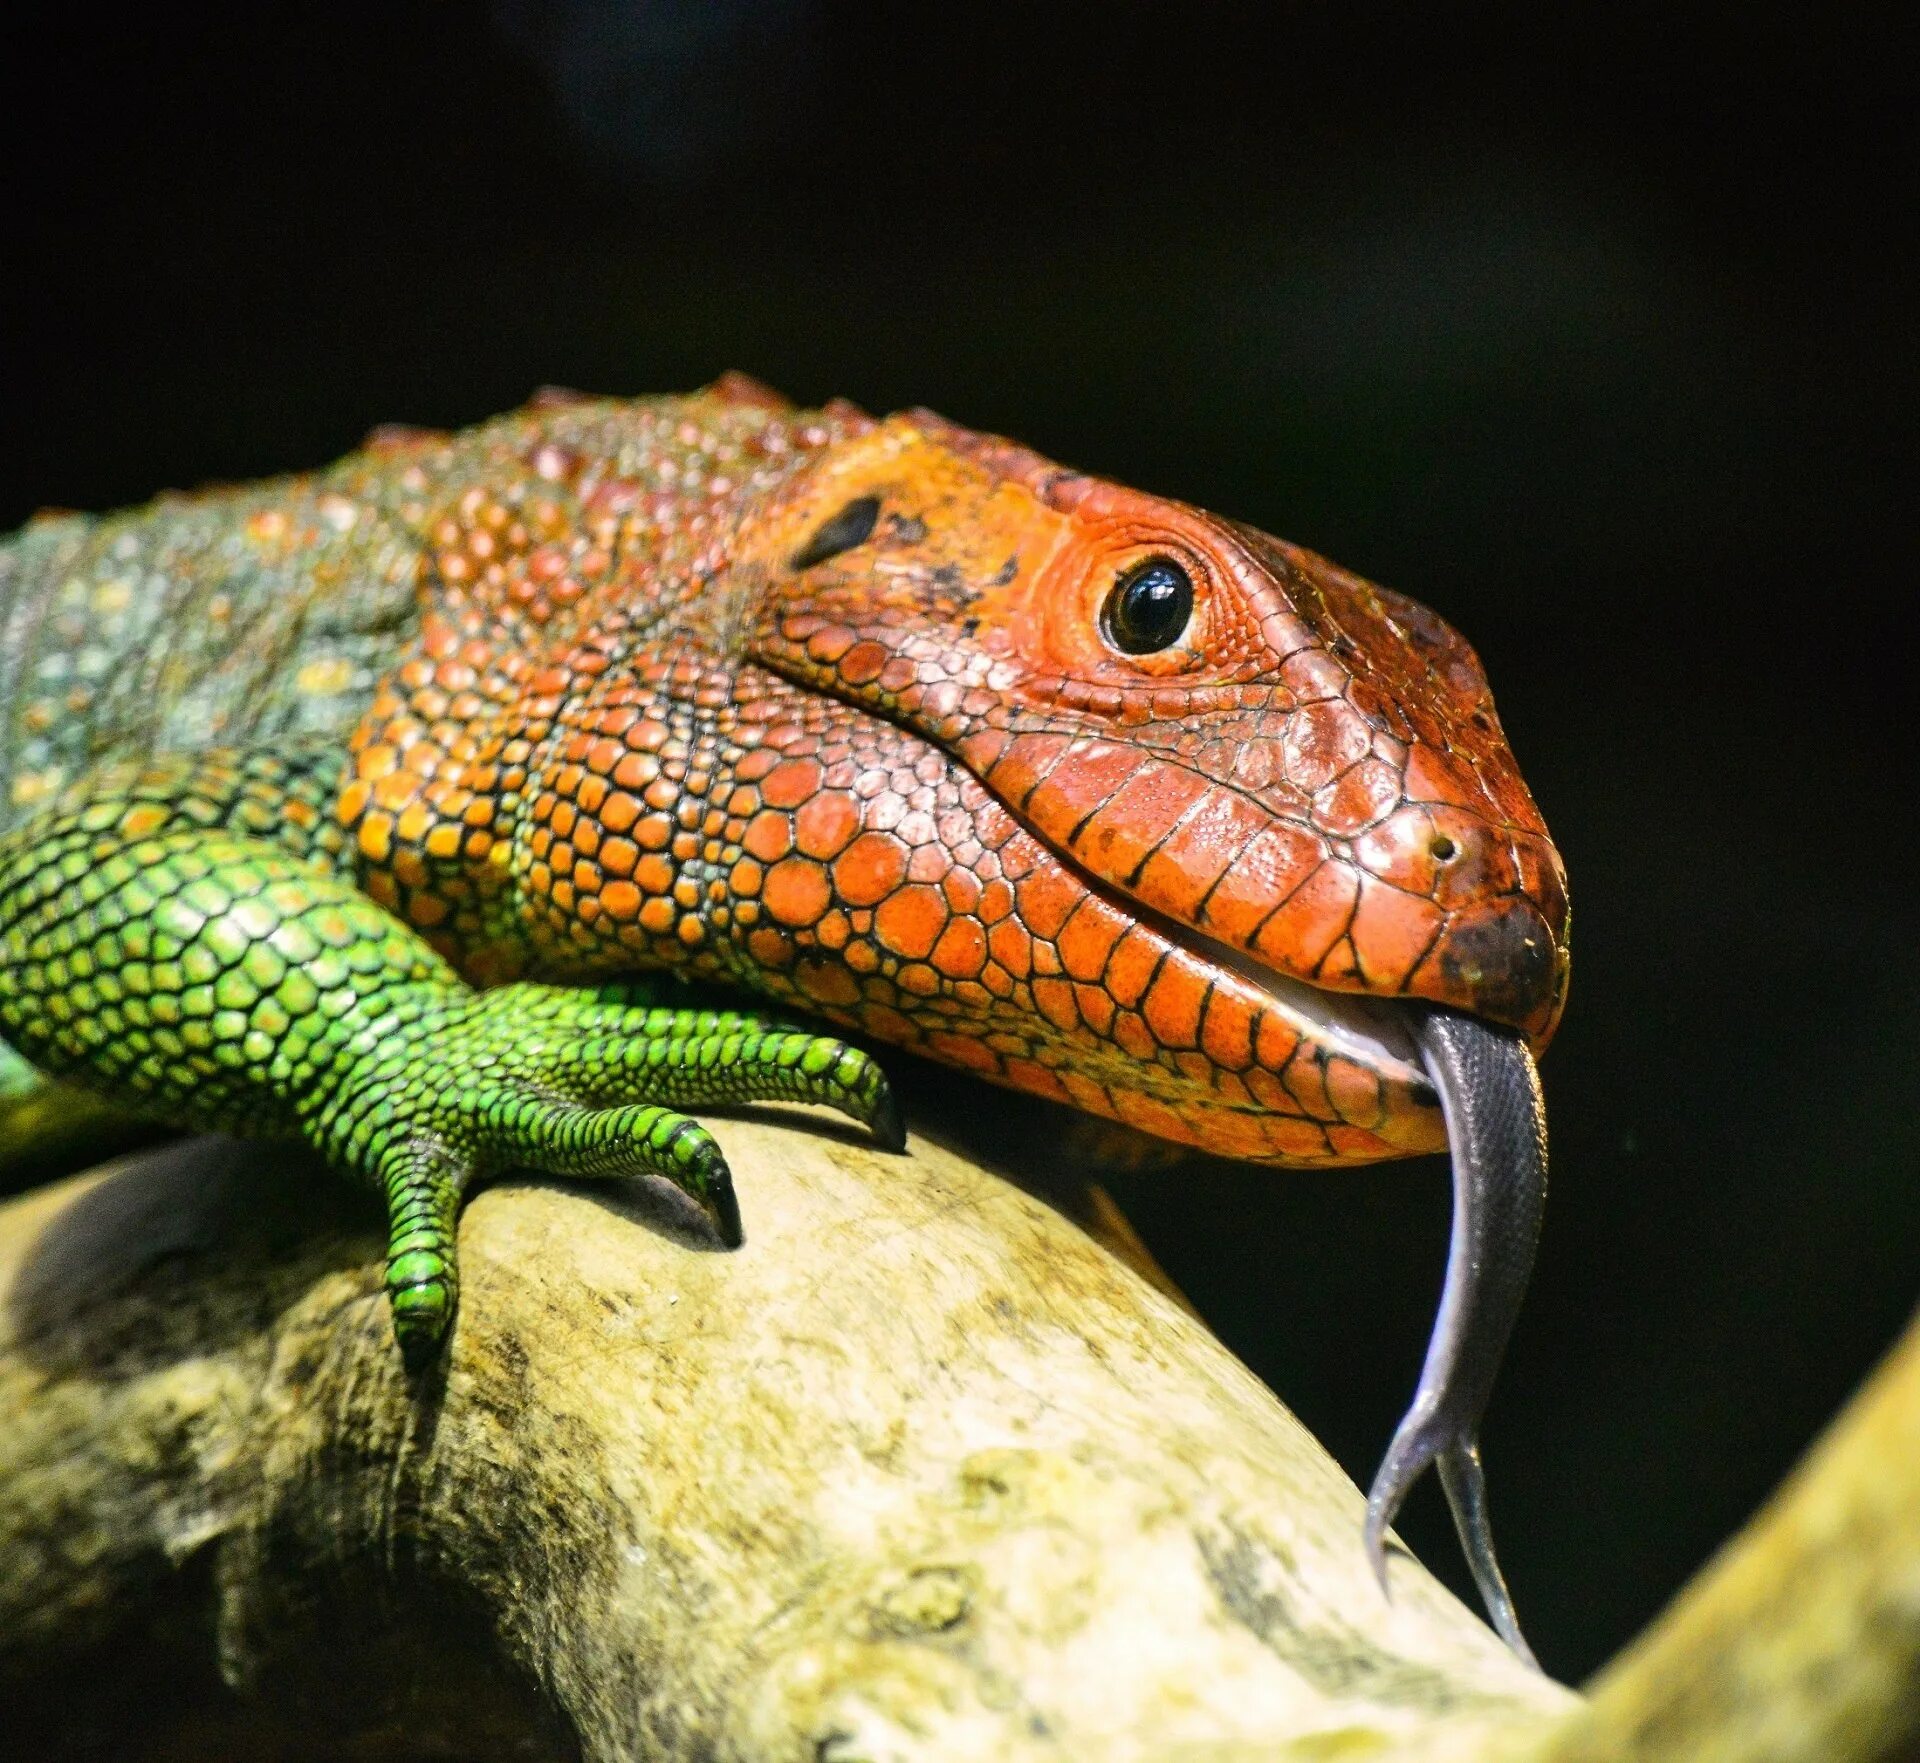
x,y
1500,963
853,525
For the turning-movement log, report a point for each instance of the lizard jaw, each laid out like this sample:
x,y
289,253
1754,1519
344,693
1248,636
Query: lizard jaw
x,y
1372,1032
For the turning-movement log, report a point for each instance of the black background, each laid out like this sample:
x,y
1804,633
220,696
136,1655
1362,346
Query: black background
x,y
1592,325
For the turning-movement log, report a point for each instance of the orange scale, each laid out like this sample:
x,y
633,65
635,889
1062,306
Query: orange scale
x,y
917,978
1132,965
1340,966
791,783
657,915
1392,931
618,856
375,838
1275,1041
961,951
685,892
825,825
996,980
797,891
1196,1067
1231,1090
1087,1095
1055,1001
1299,934
909,921
1148,1114
1232,1135
1304,1139
1226,1031
1173,1005
861,956
1087,939
636,771
1133,1036
653,873
1037,1080
1355,1093
870,868
395,790
1351,1143
655,833
1046,898
1097,1008
962,890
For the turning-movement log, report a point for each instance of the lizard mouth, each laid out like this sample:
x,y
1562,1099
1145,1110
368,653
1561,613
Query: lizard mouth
x,y
1376,1033
1260,1065
1370,1031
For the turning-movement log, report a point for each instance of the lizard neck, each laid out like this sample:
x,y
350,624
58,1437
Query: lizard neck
x,y
533,786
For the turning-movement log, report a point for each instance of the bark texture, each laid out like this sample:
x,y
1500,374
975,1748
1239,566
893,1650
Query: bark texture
x,y
922,1472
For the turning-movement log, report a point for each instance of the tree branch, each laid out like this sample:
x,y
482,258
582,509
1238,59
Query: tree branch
x,y
922,1471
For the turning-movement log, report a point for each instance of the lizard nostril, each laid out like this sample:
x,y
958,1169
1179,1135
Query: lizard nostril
x,y
1443,848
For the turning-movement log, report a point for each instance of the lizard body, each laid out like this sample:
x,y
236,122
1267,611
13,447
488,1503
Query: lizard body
x,y
344,806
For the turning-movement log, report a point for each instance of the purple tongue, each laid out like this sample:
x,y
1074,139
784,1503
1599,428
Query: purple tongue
x,y
1497,1129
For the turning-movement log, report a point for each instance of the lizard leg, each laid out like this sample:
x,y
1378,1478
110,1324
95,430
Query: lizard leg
x,y
225,982
596,1052
425,1181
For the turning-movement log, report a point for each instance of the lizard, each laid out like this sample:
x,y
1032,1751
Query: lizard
x,y
366,806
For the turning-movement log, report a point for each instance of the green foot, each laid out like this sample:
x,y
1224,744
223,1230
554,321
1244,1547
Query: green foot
x,y
458,1085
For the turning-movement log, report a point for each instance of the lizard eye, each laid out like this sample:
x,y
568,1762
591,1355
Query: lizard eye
x,y
853,525
1149,608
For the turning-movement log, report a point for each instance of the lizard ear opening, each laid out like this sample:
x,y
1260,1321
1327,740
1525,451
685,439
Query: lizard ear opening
x,y
853,525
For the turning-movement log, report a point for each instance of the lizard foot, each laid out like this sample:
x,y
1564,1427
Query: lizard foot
x,y
459,1084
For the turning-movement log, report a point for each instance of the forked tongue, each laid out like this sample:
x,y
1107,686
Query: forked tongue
x,y
1497,1131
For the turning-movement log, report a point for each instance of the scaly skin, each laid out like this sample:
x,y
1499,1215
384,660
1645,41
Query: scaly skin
x,y
823,708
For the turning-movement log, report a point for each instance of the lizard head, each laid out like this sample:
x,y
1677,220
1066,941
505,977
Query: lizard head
x,y
1257,804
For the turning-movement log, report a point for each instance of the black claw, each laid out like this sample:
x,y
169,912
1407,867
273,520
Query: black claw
x,y
888,1125
722,1204
420,1346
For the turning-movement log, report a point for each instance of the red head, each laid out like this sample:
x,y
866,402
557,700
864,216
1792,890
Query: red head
x,y
1280,772
1088,791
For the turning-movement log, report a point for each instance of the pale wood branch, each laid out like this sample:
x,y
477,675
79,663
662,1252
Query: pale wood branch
x,y
922,1471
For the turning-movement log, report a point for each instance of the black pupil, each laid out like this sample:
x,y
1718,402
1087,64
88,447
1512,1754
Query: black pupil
x,y
1149,606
